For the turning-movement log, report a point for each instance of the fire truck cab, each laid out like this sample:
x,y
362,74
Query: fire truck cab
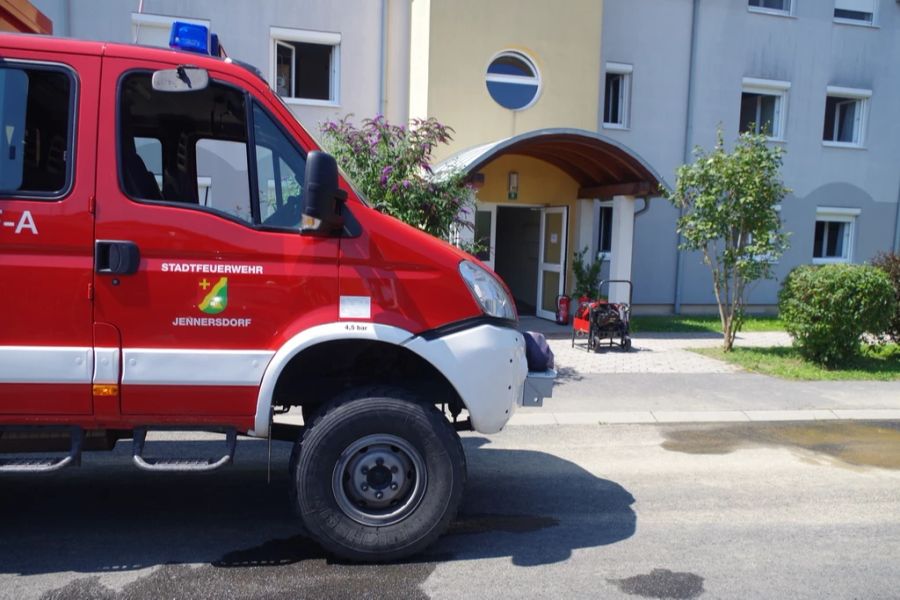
x,y
176,252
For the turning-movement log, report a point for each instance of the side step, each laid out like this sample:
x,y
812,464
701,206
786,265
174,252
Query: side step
x,y
43,464
181,465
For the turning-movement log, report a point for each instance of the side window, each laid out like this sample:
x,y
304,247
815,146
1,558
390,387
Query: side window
x,y
188,148
36,125
280,169
224,165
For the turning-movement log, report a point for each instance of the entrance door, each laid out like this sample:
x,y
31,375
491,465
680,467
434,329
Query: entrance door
x,y
552,259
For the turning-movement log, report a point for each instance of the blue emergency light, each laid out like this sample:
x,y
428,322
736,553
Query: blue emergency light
x,y
190,37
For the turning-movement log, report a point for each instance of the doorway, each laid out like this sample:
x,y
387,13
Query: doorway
x,y
528,252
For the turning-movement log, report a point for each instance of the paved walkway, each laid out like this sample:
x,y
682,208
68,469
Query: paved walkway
x,y
657,353
660,381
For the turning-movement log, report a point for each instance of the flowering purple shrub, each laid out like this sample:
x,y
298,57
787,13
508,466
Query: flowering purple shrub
x,y
391,165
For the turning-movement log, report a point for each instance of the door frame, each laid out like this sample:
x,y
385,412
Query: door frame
x,y
489,207
554,267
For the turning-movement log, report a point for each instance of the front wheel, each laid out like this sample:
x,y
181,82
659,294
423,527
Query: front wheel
x,y
379,476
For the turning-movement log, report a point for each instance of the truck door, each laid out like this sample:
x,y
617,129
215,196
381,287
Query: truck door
x,y
46,232
204,189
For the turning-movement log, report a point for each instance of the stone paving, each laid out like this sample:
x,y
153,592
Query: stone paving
x,y
656,353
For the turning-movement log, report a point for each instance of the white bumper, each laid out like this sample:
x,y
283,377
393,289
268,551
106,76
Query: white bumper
x,y
486,364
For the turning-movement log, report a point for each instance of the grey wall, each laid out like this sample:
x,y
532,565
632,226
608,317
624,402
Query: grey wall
x,y
807,49
243,27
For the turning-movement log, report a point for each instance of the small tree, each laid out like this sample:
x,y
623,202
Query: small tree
x,y
391,165
728,213
587,275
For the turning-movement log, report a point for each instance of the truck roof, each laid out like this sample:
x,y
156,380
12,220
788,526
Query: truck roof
x,y
46,43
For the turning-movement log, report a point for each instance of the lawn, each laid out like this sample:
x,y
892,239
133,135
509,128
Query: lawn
x,y
879,363
700,324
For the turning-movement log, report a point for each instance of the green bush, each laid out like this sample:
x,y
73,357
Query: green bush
x,y
889,262
828,309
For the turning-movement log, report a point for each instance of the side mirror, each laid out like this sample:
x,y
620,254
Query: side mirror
x,y
322,198
184,78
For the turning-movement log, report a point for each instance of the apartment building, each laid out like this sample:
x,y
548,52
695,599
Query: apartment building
x,y
819,75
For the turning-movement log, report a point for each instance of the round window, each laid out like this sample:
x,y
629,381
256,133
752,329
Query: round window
x,y
513,81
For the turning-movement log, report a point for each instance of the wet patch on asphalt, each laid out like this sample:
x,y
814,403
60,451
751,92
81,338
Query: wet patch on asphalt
x,y
294,567
280,569
661,583
857,443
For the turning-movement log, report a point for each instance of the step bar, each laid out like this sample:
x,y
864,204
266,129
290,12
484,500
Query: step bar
x,y
43,464
182,465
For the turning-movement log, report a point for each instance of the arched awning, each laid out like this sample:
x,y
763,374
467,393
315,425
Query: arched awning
x,y
602,167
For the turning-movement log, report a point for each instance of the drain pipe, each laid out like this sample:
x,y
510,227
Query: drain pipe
x,y
382,59
897,226
688,134
644,208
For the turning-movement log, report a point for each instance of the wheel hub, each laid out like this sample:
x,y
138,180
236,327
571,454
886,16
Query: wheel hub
x,y
379,480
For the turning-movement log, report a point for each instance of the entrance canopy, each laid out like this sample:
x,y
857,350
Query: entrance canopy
x,y
602,167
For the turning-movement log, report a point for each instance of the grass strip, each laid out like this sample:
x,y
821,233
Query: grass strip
x,y
700,324
878,363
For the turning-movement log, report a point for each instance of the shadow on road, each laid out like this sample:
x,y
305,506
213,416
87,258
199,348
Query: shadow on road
x,y
107,517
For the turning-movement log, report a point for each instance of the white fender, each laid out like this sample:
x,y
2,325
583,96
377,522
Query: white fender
x,y
485,364
344,330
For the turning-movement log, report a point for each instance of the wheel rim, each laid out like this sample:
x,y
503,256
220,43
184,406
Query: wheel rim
x,y
379,480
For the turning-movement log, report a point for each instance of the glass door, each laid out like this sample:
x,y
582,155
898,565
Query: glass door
x,y
552,259
486,233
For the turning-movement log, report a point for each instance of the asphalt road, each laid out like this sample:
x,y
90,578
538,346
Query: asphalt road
x,y
630,511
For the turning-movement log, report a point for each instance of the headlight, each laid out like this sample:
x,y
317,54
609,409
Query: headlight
x,y
488,292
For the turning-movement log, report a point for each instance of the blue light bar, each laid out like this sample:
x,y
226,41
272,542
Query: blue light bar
x,y
190,37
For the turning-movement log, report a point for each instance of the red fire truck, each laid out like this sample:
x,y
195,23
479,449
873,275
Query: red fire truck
x,y
176,253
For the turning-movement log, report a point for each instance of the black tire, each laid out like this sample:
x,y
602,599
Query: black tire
x,y
357,430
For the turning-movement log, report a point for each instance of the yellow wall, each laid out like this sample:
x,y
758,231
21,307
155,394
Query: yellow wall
x,y
539,183
454,40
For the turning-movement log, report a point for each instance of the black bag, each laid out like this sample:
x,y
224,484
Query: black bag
x,y
537,352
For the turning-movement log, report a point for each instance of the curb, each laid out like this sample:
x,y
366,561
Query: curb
x,y
524,419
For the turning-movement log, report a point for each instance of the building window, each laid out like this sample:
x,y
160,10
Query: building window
x,y
845,116
604,239
155,30
763,104
306,65
513,81
771,6
833,239
617,96
857,12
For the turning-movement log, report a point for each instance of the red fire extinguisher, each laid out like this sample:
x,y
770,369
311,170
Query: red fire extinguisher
x,y
562,309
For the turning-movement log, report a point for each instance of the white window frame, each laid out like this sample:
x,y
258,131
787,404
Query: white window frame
x,y
773,11
308,36
140,20
516,79
833,214
625,70
771,87
862,98
601,204
858,22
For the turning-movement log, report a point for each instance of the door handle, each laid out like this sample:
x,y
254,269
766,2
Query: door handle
x,y
113,257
